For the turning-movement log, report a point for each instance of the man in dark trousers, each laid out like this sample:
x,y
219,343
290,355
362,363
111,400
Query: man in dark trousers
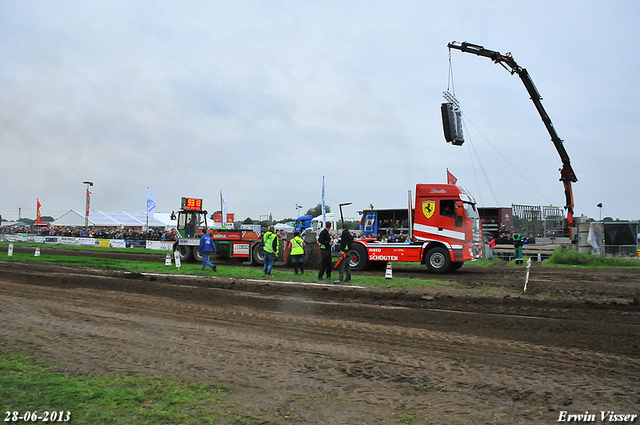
x,y
518,241
206,247
324,240
271,248
345,246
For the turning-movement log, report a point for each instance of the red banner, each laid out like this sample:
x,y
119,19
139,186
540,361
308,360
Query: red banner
x,y
217,217
38,217
88,202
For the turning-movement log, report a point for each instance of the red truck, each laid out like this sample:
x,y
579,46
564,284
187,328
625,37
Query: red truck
x,y
442,231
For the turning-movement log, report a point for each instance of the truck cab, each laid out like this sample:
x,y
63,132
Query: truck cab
x,y
446,216
442,231
302,223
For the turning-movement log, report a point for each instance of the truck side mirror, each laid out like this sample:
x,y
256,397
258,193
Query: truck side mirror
x,y
459,208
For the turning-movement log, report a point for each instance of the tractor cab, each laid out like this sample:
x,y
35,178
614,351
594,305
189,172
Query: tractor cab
x,y
192,219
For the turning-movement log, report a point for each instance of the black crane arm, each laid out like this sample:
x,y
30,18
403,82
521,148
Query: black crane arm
x,y
567,175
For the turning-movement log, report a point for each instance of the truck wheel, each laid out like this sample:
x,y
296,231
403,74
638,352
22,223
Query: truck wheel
x,y
184,252
456,265
438,260
359,257
197,256
257,254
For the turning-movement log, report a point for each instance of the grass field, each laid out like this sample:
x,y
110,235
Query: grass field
x,y
29,386
238,272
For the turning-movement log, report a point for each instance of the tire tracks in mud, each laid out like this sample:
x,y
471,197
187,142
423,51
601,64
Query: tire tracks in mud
x,y
317,343
304,323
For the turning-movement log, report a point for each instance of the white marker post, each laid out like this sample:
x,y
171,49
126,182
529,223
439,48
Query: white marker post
x,y
37,253
176,256
388,273
10,252
526,280
167,261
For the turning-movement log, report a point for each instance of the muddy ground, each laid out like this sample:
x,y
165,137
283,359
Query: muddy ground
x,y
483,352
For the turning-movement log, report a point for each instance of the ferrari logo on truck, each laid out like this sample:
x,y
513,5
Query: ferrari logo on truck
x,y
428,208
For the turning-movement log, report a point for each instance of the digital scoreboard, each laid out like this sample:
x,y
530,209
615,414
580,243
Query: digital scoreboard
x,y
192,204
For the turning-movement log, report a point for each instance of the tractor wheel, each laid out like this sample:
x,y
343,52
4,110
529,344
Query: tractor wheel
x,y
185,253
197,256
257,254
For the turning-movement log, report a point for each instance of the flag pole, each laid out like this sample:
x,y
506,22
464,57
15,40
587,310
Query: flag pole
x,y
147,211
324,214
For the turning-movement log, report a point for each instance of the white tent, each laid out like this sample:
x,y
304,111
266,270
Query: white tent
x,y
166,219
108,219
285,227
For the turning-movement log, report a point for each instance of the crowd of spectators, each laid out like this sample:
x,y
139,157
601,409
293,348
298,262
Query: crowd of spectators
x,y
136,234
506,238
391,238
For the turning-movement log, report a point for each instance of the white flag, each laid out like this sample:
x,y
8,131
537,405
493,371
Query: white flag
x,y
224,210
151,204
324,210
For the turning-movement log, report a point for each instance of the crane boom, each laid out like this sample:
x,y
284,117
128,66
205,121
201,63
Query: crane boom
x,y
567,175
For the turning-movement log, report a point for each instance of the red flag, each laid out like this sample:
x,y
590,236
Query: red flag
x,y
88,202
451,179
38,218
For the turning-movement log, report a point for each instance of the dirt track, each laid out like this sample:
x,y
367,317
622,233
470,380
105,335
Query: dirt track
x,y
482,353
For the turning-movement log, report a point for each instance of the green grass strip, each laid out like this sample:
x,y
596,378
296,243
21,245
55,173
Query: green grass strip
x,y
29,386
78,247
570,257
231,271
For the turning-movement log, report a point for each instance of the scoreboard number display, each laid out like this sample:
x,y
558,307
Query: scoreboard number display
x,y
192,204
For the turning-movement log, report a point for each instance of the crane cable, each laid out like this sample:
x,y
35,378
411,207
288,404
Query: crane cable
x,y
450,77
507,161
450,84
471,147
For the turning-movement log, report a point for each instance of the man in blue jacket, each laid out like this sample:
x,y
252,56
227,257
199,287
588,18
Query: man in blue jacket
x,y
206,247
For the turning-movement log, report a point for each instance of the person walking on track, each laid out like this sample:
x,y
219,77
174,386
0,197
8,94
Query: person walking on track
x,y
207,247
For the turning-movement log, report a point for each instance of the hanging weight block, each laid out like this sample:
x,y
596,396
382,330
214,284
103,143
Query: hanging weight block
x,y
452,124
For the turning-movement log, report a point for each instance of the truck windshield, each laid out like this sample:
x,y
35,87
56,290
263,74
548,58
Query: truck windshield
x,y
470,210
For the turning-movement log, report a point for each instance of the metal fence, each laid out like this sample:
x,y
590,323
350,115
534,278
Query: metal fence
x,y
539,221
554,223
621,250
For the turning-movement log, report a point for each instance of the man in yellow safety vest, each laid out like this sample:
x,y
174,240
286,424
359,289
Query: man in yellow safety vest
x,y
270,240
296,246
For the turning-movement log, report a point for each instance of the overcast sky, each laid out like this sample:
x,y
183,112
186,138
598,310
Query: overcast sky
x,y
261,99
